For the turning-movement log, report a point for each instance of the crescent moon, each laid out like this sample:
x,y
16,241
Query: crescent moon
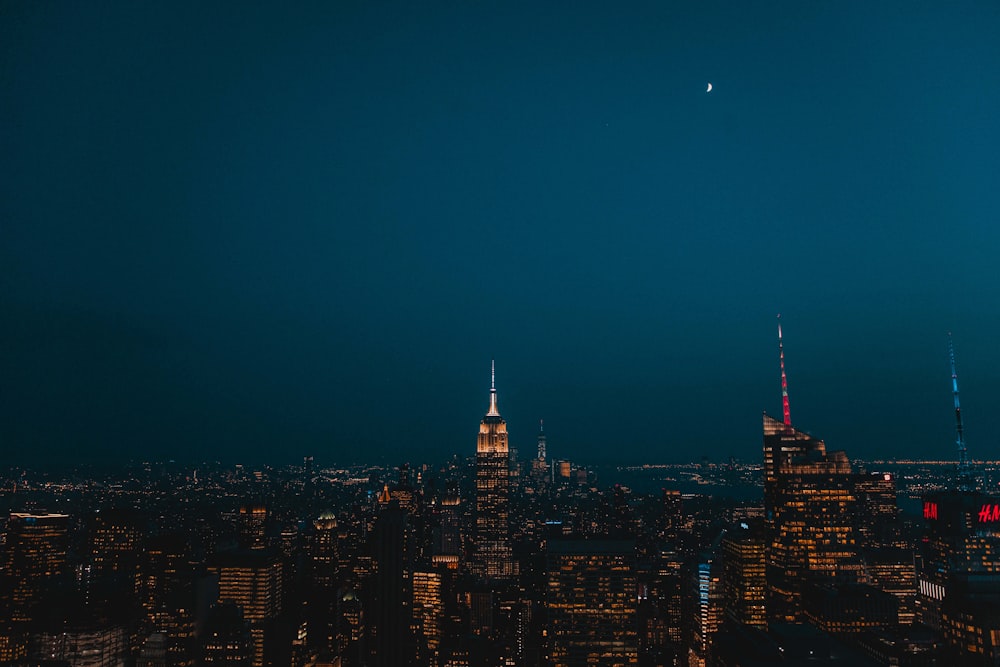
x,y
709,88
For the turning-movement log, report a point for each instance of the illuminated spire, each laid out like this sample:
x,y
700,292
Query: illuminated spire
x,y
964,474
493,412
541,439
784,380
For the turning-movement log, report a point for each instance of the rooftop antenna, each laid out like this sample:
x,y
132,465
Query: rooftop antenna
x,y
784,380
964,474
493,389
541,439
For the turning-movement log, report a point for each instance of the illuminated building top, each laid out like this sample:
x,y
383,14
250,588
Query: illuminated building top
x,y
492,429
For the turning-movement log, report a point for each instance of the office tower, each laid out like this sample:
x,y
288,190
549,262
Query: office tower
x,y
226,639
428,611
323,551
849,608
878,514
167,594
809,510
404,492
671,521
591,600
116,546
704,605
744,583
252,525
448,539
34,556
252,580
893,570
810,513
540,465
961,545
493,557
390,611
322,594
970,621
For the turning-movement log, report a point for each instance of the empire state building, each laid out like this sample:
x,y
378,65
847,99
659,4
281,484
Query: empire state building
x,y
493,553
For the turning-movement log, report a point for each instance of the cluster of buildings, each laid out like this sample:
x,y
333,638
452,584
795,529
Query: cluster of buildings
x,y
494,562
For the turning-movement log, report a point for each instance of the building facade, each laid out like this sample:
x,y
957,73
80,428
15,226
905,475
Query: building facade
x,y
493,557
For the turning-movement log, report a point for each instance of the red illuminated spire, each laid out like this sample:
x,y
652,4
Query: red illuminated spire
x,y
784,380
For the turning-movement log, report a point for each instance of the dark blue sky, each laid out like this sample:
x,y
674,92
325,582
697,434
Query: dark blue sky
x,y
252,233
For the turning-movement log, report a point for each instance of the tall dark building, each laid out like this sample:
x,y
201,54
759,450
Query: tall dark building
x,y
252,524
34,556
810,511
961,545
252,580
744,586
116,547
391,595
493,558
591,600
226,639
810,508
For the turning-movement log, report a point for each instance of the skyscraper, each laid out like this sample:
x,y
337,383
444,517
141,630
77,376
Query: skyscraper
x,y
591,599
34,556
809,510
252,581
493,558
743,583
961,545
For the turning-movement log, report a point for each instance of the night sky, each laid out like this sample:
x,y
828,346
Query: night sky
x,y
249,233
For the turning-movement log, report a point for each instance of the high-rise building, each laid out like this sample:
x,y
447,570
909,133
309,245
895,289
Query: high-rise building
x,y
252,580
961,545
428,610
810,513
704,605
322,595
893,570
849,608
116,546
744,585
168,595
810,510
591,600
226,639
448,538
252,525
878,515
34,555
493,557
540,464
389,604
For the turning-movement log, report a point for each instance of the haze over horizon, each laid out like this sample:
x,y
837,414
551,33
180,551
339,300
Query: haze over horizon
x,y
272,232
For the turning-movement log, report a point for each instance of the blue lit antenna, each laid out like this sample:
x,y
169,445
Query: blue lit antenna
x,y
964,474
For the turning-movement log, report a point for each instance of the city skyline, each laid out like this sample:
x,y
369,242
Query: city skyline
x,y
307,231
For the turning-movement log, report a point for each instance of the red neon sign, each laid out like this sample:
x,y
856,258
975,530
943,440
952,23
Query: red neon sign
x,y
930,510
989,513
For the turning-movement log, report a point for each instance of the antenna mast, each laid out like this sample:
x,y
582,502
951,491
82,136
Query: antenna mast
x,y
784,380
964,473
